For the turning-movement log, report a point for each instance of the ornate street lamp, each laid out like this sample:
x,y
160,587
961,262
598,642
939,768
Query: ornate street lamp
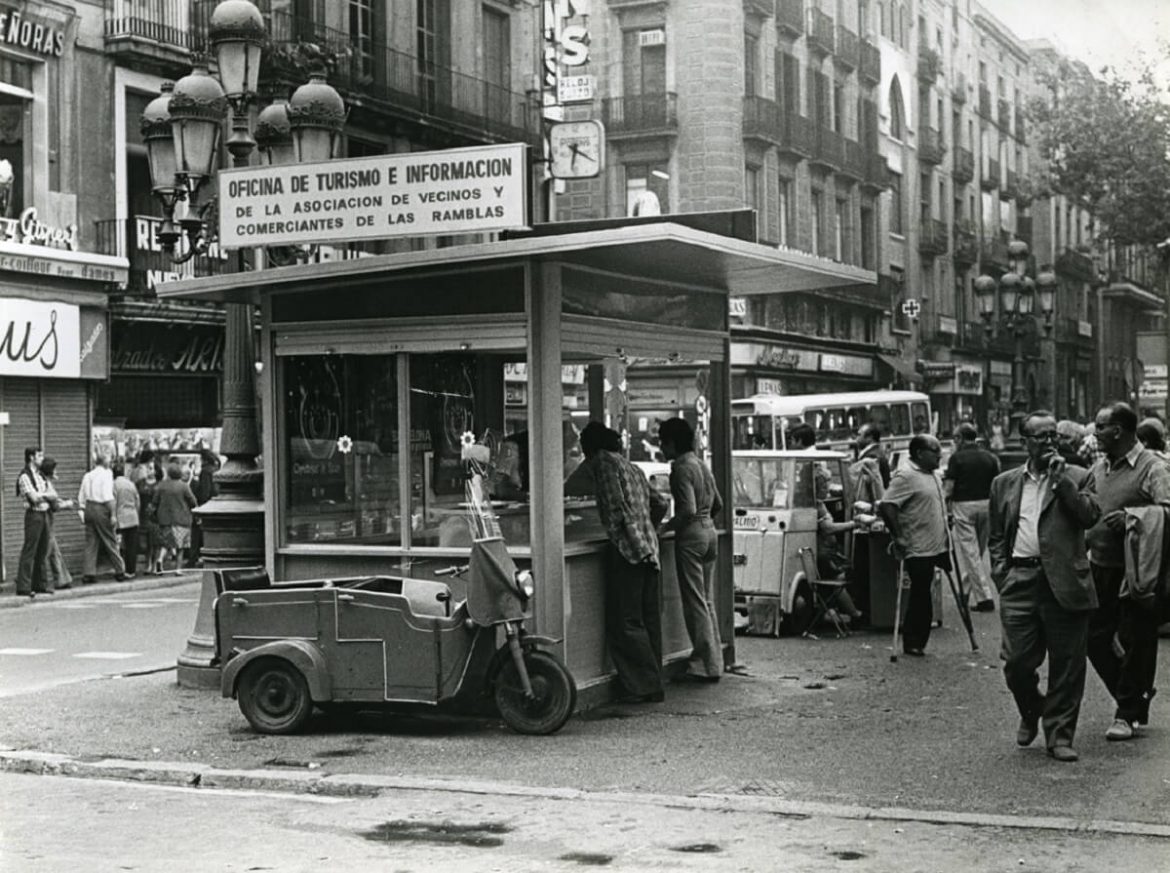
x,y
182,129
1018,294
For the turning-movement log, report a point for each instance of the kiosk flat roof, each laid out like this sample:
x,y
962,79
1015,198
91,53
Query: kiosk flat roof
x,y
665,251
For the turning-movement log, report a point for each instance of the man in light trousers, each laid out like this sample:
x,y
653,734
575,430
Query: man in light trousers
x,y
96,504
970,472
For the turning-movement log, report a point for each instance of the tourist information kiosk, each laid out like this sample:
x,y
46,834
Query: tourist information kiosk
x,y
376,370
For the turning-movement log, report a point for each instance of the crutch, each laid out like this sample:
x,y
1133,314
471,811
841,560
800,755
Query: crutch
x,y
958,592
897,610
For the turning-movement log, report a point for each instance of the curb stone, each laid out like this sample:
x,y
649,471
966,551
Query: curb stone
x,y
8,599
357,785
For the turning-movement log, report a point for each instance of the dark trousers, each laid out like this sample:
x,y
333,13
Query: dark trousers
x,y
99,538
129,548
633,624
1036,625
31,574
1123,646
919,611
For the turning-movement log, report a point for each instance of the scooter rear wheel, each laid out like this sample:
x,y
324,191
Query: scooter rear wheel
x,y
553,689
274,696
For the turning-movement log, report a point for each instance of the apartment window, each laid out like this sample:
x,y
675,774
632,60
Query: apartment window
x,y
361,35
751,52
938,113
751,176
938,40
1056,225
942,198
924,189
982,73
957,208
788,83
896,206
839,108
897,112
647,188
139,196
868,238
785,210
433,38
863,19
843,233
818,217
883,27
497,63
999,87
643,66
957,128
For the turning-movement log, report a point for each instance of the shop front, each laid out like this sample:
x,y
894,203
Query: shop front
x,y
761,367
382,367
956,389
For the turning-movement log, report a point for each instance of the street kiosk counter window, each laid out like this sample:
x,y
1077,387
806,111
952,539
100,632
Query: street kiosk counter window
x,y
377,370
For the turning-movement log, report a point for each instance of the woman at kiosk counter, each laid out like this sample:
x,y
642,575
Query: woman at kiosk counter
x,y
696,503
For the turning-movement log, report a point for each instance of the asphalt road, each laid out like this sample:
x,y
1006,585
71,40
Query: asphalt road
x,y
50,643
53,824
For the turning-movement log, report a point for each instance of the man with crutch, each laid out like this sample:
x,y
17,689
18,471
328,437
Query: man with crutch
x,y
1039,514
914,511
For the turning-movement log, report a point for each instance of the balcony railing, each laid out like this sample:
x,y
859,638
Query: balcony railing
x,y
931,148
1021,128
829,148
959,89
933,236
820,31
640,114
765,120
1075,265
167,23
929,63
871,62
877,170
991,179
136,239
985,102
966,243
994,252
964,168
1004,116
848,50
1008,190
854,164
790,16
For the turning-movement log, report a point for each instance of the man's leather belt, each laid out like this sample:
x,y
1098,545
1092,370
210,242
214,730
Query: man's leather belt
x,y
1025,562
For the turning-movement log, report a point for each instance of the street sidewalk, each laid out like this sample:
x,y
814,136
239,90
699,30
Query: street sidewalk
x,y
104,585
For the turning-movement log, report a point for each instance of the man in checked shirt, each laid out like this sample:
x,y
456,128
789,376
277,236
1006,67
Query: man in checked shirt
x,y
633,596
31,577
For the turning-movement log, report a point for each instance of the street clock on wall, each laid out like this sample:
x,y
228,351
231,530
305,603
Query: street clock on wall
x,y
576,149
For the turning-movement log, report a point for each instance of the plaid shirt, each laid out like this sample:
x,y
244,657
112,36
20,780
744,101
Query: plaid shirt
x,y
623,502
32,487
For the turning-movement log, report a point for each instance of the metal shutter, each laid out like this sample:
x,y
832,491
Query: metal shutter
x,y
66,437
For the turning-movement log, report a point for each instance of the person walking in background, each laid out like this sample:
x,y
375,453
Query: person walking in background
x,y
31,574
1151,433
696,504
174,501
126,505
148,519
967,481
871,458
1039,513
58,573
914,511
633,596
95,502
1123,635
1069,437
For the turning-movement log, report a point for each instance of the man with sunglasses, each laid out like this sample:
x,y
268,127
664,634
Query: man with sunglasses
x,y
1039,514
1123,635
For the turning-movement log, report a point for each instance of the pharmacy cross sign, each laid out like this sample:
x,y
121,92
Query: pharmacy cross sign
x,y
911,308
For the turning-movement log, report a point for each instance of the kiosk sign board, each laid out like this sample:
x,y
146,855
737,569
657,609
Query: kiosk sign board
x,y
473,190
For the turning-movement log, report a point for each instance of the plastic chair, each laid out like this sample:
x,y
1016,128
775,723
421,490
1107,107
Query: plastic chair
x,y
823,606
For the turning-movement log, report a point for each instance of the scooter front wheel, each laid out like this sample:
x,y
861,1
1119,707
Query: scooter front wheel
x,y
554,694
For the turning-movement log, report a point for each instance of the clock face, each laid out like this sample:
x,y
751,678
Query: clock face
x,y
576,149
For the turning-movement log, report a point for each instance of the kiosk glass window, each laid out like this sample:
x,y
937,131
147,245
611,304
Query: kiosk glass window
x,y
341,449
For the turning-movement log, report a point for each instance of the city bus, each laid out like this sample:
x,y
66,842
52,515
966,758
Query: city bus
x,y
762,421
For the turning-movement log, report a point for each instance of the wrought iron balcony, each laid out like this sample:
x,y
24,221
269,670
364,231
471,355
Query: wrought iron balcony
x,y
933,237
848,48
790,16
959,89
931,148
1075,265
966,244
766,121
136,239
991,178
161,32
1004,116
871,62
640,115
985,102
853,167
820,31
877,171
993,252
929,63
964,168
1009,190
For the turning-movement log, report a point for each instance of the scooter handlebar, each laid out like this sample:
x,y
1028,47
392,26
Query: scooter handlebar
x,y
457,570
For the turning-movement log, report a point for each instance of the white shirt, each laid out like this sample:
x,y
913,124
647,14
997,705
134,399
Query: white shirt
x,y
97,486
1027,543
